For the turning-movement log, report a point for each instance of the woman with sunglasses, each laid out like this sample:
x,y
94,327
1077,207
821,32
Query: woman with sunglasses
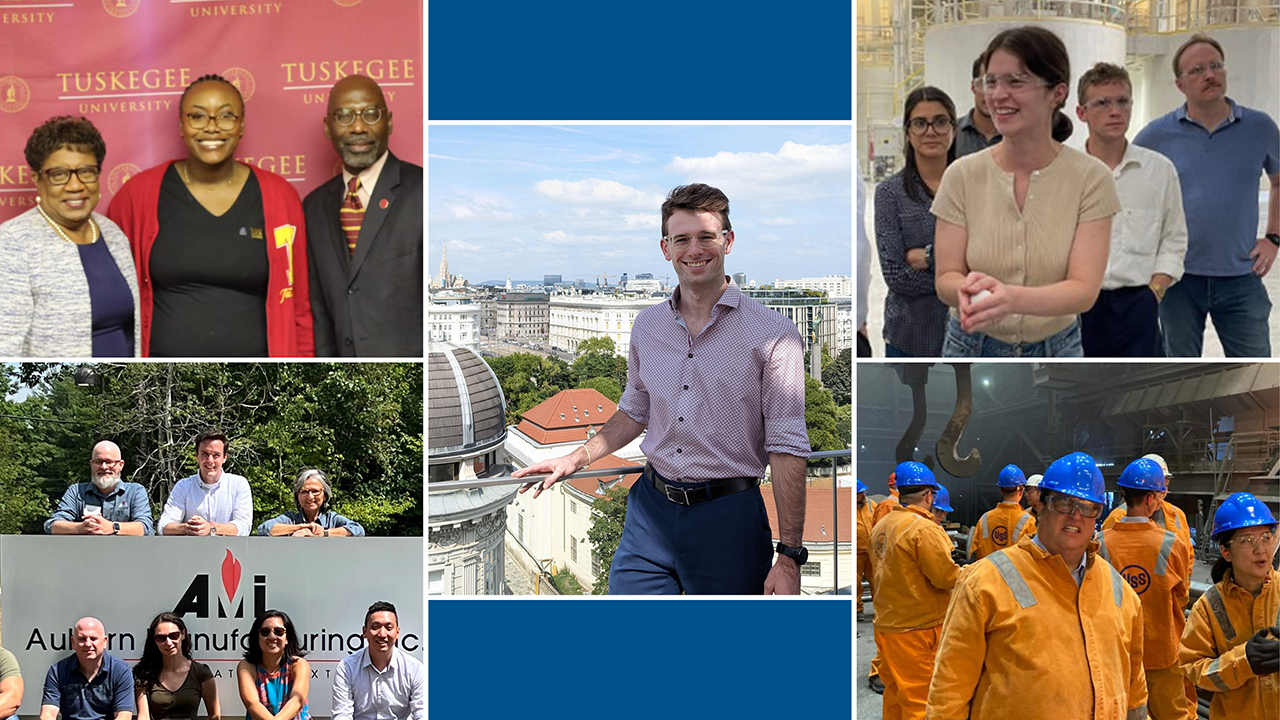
x,y
1023,227
273,678
1231,645
167,682
220,246
67,282
914,318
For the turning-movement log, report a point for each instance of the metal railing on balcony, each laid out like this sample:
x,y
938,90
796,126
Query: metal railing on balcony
x,y
504,480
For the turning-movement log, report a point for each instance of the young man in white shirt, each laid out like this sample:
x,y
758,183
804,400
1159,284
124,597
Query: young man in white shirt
x,y
381,681
211,502
1148,237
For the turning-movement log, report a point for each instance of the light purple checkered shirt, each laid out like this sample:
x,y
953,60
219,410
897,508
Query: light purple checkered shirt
x,y
718,404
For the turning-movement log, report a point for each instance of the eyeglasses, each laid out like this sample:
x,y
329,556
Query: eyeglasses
x,y
1214,67
347,116
269,631
1252,541
940,125
61,176
159,638
705,239
1013,82
105,462
223,121
1065,505
311,491
1104,104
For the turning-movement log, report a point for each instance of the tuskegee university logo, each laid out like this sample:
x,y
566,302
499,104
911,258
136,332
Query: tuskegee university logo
x,y
121,8
198,600
14,94
120,175
242,79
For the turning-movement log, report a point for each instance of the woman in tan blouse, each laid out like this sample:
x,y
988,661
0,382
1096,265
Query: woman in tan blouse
x,y
1024,226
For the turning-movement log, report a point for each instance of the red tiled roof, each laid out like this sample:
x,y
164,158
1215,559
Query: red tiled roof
x,y
817,513
591,484
543,423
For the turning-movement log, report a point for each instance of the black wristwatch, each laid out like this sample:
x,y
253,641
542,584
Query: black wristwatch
x,y
800,554
115,528
1274,238
928,255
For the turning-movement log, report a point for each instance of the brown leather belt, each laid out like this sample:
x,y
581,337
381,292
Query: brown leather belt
x,y
705,489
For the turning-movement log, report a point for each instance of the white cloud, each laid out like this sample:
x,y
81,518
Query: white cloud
x,y
596,192
794,173
614,253
462,245
766,237
648,221
454,206
560,237
778,222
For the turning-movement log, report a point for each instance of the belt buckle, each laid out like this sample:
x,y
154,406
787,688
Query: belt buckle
x,y
671,490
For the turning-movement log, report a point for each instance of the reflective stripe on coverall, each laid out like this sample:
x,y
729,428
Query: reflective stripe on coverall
x,y
1020,639
1212,653
1170,517
864,549
1154,562
999,528
914,574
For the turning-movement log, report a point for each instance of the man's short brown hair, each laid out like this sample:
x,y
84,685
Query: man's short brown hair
x,y
696,198
209,436
1194,40
1101,74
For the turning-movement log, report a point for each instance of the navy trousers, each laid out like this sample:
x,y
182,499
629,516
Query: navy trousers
x,y
718,547
1124,322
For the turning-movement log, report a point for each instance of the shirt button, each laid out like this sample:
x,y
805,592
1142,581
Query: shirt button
x,y
678,450
686,387
680,419
690,354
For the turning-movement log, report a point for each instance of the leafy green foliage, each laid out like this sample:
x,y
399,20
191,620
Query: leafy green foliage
x,y
566,583
528,379
820,417
606,387
837,376
360,423
608,514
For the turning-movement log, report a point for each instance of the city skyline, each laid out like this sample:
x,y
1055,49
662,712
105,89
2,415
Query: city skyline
x,y
584,201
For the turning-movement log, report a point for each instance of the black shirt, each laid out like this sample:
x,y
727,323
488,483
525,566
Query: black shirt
x,y
209,275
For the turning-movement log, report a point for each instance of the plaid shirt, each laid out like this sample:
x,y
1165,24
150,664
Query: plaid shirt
x,y
718,404
914,318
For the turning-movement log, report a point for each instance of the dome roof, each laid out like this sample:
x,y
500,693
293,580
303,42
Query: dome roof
x,y
466,412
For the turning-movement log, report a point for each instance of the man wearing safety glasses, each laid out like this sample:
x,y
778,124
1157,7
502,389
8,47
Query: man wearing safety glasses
x,y
364,234
1046,626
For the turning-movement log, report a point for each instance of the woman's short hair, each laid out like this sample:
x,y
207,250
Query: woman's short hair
x,y
1045,56
75,133
313,473
211,77
292,649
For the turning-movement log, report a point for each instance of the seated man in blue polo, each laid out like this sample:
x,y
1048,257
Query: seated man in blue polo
x,y
105,506
92,684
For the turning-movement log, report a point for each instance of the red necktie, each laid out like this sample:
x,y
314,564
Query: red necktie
x,y
352,215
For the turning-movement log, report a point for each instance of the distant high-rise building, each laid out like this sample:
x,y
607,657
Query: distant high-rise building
x,y
830,284
550,280
740,279
522,315
803,310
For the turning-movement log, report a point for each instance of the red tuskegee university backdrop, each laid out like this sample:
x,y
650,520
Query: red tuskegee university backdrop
x,y
124,64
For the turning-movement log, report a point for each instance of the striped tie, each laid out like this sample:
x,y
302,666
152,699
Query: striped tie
x,y
352,216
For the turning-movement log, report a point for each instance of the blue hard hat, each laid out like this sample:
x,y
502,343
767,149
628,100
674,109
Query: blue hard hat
x,y
943,501
1241,510
862,487
1011,476
1143,474
1077,475
914,474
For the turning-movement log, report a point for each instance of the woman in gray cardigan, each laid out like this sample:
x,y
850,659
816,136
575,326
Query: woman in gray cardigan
x,y
67,282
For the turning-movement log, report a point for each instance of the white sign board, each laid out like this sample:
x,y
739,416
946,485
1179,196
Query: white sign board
x,y
217,585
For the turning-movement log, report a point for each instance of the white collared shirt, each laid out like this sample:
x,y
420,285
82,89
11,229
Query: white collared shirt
x,y
362,692
227,501
368,178
1149,235
1078,572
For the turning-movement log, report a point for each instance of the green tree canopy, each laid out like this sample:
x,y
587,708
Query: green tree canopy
x,y
608,514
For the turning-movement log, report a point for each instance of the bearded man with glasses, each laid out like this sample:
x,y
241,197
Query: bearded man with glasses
x,y
364,227
1048,626
106,505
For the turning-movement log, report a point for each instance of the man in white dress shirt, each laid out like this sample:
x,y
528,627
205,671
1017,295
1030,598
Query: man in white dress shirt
x,y
1148,237
211,502
381,681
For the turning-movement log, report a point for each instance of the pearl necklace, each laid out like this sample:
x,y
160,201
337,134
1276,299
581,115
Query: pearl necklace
x,y
97,232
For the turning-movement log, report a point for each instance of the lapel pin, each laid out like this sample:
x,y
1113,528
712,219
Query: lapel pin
x,y
383,204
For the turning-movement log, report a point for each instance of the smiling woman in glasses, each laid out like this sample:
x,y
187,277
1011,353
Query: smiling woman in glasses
x,y
314,517
273,678
67,283
219,245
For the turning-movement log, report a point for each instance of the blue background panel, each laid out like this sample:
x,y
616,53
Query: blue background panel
x,y
656,60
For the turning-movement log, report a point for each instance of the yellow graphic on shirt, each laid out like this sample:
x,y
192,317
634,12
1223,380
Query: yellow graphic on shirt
x,y
284,239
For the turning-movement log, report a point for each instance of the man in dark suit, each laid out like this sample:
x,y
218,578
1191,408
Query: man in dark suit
x,y
364,234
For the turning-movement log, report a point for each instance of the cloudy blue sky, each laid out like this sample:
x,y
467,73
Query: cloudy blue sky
x,y
535,200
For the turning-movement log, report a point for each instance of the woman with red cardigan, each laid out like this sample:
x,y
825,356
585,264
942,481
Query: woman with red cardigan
x,y
220,247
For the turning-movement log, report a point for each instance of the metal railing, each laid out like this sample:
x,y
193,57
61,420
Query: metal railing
x,y
505,480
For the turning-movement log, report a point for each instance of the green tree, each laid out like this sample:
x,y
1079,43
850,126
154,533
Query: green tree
x,y
606,387
837,376
608,514
602,344
820,417
528,379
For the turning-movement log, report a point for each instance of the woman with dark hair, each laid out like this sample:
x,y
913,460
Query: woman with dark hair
x,y
1231,645
220,246
67,283
273,677
914,318
1024,227
166,663
313,518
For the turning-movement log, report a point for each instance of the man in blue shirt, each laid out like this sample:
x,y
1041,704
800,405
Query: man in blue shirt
x,y
92,684
105,506
1218,147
